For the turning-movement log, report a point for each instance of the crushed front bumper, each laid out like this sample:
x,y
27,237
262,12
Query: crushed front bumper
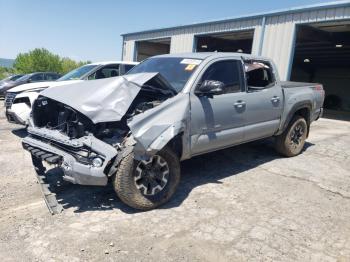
x,y
55,148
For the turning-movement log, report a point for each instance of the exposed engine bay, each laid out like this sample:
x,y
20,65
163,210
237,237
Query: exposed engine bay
x,y
53,115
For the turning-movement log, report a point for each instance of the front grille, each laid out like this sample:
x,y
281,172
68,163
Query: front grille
x,y
10,96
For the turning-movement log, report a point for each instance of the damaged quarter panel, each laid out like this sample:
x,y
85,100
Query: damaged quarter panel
x,y
154,128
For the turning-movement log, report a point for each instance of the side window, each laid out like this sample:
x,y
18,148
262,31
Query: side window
x,y
37,77
259,74
105,72
228,72
51,77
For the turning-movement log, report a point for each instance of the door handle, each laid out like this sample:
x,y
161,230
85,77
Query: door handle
x,y
275,99
239,104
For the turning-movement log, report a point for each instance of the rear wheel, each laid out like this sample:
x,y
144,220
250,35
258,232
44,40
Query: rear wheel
x,y
150,183
291,142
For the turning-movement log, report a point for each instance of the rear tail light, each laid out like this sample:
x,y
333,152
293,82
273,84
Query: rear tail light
x,y
319,88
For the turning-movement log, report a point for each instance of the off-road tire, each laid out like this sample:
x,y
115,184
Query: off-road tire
x,y
284,144
125,187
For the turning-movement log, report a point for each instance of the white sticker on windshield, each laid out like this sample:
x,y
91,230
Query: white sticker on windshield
x,y
188,61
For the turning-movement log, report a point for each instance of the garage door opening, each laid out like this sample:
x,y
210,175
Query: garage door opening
x,y
322,55
150,48
241,41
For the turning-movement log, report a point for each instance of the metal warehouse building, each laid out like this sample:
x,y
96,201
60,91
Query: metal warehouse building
x,y
309,43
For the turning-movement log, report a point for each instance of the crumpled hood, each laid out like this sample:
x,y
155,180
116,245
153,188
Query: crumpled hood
x,y
103,100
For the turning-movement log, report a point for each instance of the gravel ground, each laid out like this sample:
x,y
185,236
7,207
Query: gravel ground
x,y
241,204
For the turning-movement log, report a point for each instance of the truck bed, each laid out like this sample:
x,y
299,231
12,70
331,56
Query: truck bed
x,y
290,84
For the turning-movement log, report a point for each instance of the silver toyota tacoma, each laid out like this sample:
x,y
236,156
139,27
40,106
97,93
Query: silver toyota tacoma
x,y
134,130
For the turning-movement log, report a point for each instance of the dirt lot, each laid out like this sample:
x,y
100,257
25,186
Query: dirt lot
x,y
239,204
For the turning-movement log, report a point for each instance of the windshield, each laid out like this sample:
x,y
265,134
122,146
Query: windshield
x,y
77,73
24,78
175,70
15,77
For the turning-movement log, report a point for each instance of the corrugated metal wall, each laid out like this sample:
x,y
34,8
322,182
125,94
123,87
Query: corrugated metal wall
x,y
278,42
279,34
278,39
128,50
182,39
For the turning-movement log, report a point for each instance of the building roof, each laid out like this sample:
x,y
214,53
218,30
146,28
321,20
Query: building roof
x,y
114,62
255,15
199,55
204,55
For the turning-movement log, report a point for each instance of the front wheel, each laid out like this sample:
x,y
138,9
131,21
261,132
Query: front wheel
x,y
150,183
291,142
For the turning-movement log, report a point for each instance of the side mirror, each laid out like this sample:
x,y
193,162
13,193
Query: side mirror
x,y
29,80
210,87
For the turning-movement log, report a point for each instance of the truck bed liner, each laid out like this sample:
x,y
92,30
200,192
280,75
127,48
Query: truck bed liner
x,y
290,84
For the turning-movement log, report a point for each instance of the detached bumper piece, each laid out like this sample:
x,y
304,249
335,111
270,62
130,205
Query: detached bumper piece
x,y
51,158
72,156
49,197
38,156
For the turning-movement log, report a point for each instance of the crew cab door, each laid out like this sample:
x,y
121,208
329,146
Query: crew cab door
x,y
217,121
264,100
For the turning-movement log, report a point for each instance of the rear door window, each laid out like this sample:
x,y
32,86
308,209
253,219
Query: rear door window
x,y
37,77
51,77
259,74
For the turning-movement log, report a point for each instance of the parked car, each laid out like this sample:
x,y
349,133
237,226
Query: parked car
x,y
10,78
35,77
135,130
7,83
19,100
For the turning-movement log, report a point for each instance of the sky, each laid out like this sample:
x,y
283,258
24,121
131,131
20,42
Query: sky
x,y
90,30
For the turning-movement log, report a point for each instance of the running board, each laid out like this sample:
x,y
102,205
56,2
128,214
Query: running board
x,y
49,197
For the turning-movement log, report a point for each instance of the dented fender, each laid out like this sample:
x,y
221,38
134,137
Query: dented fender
x,y
153,129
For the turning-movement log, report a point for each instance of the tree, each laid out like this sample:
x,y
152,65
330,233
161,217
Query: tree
x,y
42,60
69,64
39,59
5,72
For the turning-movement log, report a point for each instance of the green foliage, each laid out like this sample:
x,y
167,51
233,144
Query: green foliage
x,y
42,60
38,59
68,64
5,72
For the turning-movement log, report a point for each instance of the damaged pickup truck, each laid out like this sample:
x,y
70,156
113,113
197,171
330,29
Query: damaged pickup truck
x,y
134,130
